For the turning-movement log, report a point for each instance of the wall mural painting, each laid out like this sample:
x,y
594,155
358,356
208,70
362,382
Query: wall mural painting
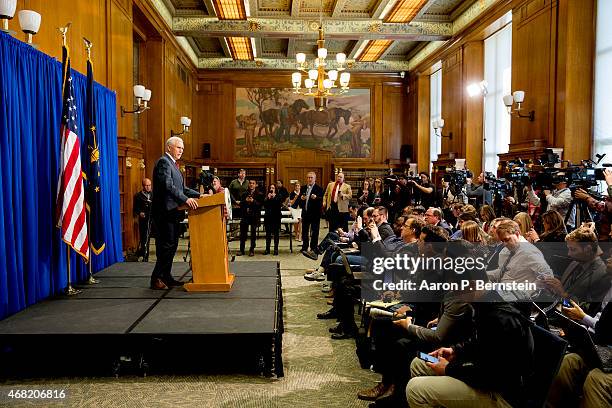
x,y
271,119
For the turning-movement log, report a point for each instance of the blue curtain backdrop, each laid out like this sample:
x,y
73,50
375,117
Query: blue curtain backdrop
x,y
33,258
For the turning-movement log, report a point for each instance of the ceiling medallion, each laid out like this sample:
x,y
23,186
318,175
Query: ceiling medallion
x,y
254,26
375,27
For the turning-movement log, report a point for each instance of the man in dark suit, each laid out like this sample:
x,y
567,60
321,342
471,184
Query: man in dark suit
x,y
312,199
169,193
142,210
250,207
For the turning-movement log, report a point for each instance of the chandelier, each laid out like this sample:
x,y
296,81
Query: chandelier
x,y
320,84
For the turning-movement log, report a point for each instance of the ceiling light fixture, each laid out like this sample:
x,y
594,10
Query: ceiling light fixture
x,y
317,75
240,48
230,9
374,50
404,11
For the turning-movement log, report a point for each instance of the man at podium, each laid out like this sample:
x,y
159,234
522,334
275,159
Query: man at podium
x,y
169,193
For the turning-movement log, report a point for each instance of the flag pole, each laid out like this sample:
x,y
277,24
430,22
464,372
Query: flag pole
x,y
70,291
91,280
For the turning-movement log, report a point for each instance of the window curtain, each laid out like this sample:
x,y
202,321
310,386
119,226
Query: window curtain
x,y
497,72
435,113
602,126
33,259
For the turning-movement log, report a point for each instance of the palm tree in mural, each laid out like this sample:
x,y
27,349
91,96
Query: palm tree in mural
x,y
258,96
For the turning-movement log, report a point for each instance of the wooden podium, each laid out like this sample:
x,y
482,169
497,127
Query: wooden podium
x,y
209,257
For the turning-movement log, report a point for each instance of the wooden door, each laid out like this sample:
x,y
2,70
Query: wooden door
x,y
295,165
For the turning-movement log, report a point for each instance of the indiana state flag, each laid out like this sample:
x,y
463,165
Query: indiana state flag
x,y
92,166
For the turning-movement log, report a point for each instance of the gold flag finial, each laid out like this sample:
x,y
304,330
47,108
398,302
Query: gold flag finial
x,y
88,45
64,30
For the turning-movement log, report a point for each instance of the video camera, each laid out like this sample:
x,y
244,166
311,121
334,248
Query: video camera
x,y
206,178
457,179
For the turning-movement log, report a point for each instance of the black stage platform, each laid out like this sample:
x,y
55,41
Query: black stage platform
x,y
134,324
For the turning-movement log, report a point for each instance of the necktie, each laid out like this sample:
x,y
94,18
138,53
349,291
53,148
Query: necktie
x,y
308,190
505,266
335,193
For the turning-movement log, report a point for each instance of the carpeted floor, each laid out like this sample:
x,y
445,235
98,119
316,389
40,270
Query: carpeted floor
x,y
318,371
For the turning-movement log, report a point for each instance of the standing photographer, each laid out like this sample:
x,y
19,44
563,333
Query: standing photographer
x,y
478,191
561,197
604,207
142,210
425,190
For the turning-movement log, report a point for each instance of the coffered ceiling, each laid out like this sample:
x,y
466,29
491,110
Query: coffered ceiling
x,y
278,29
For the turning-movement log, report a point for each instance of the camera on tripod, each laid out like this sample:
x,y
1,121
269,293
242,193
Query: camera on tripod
x,y
457,179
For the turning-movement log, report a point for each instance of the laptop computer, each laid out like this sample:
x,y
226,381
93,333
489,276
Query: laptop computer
x,y
580,338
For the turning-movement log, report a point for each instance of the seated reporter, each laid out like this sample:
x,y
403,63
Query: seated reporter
x,y
522,262
576,378
452,324
327,247
586,278
488,370
342,284
434,216
551,242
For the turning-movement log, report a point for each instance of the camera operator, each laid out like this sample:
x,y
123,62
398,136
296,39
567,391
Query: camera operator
x,y
530,202
425,190
478,191
604,207
400,194
561,197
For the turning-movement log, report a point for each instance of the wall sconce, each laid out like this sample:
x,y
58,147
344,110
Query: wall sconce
x,y
186,122
29,21
517,97
437,126
7,12
143,96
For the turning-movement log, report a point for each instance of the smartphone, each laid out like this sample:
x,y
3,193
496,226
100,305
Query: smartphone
x,y
566,303
427,357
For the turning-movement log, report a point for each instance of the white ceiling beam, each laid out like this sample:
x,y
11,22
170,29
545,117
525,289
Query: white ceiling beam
x,y
210,8
357,47
424,9
291,48
338,6
226,50
342,29
295,8
381,7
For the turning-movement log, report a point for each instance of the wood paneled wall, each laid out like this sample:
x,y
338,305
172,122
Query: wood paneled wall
x,y
215,101
110,25
552,61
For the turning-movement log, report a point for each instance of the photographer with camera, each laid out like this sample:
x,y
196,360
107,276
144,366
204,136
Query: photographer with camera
x,y
425,190
478,191
604,207
561,197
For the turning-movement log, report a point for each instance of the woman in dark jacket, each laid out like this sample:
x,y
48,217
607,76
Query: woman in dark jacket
x,y
365,196
272,218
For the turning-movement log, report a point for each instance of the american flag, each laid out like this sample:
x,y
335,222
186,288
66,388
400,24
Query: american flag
x,y
70,192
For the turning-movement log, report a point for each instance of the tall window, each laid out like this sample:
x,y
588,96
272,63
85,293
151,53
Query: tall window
x,y
497,72
435,113
602,134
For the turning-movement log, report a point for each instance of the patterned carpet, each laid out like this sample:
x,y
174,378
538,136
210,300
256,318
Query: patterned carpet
x,y
318,371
